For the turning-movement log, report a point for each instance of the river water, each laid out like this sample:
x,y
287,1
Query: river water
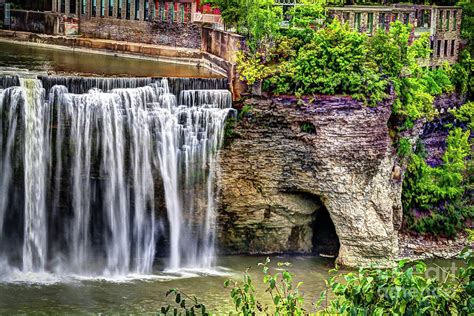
x,y
54,294
34,58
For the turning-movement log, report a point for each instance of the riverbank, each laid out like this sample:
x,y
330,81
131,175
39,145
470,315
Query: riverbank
x,y
422,248
150,52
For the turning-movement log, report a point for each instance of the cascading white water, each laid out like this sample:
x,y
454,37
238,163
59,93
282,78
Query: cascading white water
x,y
36,158
92,164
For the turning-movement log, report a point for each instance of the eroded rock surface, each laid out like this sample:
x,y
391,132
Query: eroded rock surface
x,y
292,159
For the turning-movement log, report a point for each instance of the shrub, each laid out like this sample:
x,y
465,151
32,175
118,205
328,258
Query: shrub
x,y
401,290
465,114
285,295
404,148
438,192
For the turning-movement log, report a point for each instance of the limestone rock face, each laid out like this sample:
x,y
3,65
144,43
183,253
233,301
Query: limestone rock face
x,y
291,159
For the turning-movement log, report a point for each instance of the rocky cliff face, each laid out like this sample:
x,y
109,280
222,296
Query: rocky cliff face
x,y
292,161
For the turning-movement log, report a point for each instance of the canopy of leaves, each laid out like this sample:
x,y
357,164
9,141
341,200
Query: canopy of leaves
x,y
258,20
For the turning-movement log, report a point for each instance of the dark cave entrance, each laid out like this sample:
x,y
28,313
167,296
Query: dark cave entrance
x,y
325,239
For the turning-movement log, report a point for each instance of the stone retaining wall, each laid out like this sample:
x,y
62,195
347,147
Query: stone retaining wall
x,y
36,22
171,34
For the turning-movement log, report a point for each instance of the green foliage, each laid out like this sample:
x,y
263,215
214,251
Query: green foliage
x,y
467,24
285,296
329,60
246,109
465,114
229,127
243,295
259,20
437,192
333,63
404,148
402,290
415,87
462,74
310,15
183,305
307,127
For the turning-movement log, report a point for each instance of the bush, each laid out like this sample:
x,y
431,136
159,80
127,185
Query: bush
x,y
437,193
401,290
285,295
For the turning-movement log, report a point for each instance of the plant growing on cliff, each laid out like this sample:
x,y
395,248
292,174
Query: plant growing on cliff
x,y
467,24
465,114
329,60
435,194
404,147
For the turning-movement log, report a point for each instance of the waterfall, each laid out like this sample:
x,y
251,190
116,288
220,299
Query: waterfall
x,y
36,154
96,167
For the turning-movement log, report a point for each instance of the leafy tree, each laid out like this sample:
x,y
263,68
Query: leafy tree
x,y
259,20
437,192
467,24
309,15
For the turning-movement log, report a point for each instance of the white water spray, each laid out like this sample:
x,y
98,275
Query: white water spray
x,y
94,167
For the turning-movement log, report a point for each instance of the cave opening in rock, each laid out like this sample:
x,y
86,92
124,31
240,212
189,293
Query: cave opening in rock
x,y
325,239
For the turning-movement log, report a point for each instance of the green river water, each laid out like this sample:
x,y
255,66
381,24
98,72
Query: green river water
x,y
54,61
53,294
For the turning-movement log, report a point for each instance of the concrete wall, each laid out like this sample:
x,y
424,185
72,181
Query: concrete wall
x,y
161,33
221,44
220,47
36,22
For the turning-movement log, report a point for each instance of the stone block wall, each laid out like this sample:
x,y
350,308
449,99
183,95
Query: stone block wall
x,y
445,40
160,33
36,22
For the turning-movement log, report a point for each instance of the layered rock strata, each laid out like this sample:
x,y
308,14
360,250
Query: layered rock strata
x,y
292,159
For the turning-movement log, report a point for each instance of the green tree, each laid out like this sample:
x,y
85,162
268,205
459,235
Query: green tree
x,y
258,20
467,24
438,192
